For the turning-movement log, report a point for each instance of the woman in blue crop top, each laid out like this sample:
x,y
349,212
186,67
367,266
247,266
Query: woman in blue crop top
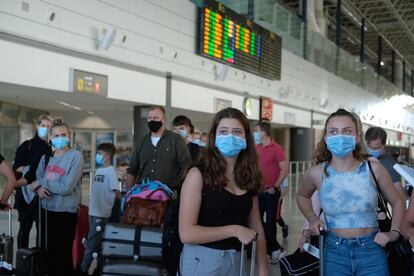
x,y
218,204
349,197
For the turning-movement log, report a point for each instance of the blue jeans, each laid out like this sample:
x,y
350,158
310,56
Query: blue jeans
x,y
358,256
93,243
268,204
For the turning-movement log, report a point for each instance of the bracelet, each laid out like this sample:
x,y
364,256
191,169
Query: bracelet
x,y
37,188
310,215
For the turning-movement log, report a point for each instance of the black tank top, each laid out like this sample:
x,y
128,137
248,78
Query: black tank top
x,y
220,208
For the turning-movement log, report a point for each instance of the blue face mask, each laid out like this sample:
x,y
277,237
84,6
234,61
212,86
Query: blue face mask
x,y
203,144
196,141
341,145
42,132
375,153
257,138
230,145
99,159
60,142
183,133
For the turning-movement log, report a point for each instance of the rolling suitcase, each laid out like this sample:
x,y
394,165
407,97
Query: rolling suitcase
x,y
132,242
128,268
81,234
253,260
32,261
6,250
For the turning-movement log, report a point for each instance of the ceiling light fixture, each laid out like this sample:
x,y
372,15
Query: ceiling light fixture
x,y
68,105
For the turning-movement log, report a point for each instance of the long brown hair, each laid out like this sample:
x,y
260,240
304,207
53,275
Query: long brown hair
x,y
322,154
246,170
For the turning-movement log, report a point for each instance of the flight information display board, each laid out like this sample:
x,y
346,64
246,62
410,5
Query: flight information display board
x,y
231,38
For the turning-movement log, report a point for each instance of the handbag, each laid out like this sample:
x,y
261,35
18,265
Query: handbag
x,y
146,204
399,254
299,263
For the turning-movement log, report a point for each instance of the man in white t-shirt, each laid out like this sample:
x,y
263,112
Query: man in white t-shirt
x,y
104,190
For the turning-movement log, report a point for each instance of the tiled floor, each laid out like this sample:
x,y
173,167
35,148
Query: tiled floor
x,y
290,213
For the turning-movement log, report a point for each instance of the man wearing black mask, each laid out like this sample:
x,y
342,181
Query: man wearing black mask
x,y
159,155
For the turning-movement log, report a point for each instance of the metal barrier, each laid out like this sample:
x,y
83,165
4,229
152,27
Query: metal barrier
x,y
297,169
91,173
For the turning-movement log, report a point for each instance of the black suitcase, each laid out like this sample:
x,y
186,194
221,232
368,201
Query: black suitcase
x,y
132,242
6,250
127,268
32,261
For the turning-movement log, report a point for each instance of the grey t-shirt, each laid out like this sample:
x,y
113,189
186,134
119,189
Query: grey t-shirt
x,y
388,162
103,192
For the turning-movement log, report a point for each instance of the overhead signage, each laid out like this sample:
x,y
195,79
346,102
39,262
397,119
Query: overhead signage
x,y
222,104
266,109
89,83
231,38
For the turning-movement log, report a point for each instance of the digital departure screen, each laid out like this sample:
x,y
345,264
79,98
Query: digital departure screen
x,y
231,38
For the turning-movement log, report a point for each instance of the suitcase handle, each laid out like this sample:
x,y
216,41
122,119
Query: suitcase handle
x,y
253,260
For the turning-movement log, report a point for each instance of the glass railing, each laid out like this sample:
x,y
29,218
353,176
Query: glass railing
x,y
312,46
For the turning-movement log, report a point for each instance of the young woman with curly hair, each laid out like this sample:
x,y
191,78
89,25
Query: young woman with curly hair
x,y
348,196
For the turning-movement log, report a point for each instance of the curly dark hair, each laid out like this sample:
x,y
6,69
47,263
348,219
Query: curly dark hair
x,y
247,174
322,154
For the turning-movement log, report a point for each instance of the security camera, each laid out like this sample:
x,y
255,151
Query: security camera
x,y
108,37
220,72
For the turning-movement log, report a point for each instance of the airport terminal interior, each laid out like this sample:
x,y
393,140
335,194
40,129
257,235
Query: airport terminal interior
x,y
103,64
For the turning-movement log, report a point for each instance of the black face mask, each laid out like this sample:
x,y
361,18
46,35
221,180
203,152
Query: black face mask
x,y
154,126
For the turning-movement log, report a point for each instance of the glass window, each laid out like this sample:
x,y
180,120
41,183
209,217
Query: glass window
x,y
124,146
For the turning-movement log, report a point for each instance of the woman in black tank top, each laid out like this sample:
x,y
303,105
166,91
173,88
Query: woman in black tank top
x,y
218,204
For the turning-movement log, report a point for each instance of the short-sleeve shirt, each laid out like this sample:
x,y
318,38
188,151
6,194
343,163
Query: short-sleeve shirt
x,y
388,162
270,156
103,192
1,158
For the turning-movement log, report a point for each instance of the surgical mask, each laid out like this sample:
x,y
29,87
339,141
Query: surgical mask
x,y
375,153
99,159
183,133
203,144
197,141
341,145
230,145
60,142
257,138
154,126
42,132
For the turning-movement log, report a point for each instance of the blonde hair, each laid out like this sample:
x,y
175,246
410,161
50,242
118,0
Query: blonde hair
x,y
59,122
43,117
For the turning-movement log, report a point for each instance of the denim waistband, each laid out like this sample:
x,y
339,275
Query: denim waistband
x,y
358,239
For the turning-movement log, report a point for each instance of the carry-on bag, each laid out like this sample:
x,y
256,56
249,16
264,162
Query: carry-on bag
x,y
132,242
304,263
32,261
253,260
81,234
129,268
146,203
6,250
299,263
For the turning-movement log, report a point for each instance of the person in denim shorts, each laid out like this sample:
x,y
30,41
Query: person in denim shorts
x,y
348,196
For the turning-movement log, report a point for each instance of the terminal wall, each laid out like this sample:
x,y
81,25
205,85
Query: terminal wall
x,y
154,37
